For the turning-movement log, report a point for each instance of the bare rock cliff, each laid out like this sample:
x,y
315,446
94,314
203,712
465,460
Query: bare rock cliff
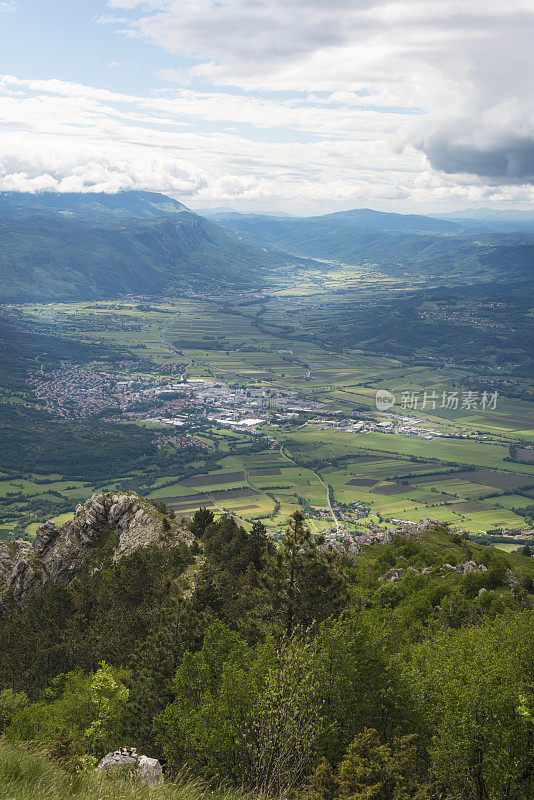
x,y
125,522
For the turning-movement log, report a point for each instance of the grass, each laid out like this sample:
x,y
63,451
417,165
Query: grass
x,y
507,548
27,775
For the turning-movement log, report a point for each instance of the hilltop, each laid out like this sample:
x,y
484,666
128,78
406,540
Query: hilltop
x,y
107,527
259,664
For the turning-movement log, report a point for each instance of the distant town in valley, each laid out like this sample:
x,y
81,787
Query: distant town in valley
x,y
262,417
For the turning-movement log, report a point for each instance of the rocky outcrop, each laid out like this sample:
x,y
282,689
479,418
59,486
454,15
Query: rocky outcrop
x,y
345,548
512,580
464,569
148,769
392,576
125,522
395,574
412,530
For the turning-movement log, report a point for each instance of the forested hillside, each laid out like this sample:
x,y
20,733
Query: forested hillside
x,y
95,206
404,672
398,244
87,246
53,257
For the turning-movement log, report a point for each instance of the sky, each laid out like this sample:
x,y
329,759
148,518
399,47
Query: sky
x,y
293,106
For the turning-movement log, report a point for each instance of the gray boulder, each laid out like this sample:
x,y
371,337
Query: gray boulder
x,y
392,575
469,566
148,769
124,757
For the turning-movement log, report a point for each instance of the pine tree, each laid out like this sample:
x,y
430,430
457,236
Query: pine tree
x,y
201,519
305,583
258,544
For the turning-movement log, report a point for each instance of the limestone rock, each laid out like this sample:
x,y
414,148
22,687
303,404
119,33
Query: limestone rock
x,y
148,769
469,566
124,757
512,579
423,526
391,576
60,552
465,568
346,548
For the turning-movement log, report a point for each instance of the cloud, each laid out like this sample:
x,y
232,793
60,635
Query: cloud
x,y
495,143
461,62
508,159
61,165
299,154
229,139
304,105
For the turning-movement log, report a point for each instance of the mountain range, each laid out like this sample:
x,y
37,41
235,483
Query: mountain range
x,y
93,246
90,246
397,243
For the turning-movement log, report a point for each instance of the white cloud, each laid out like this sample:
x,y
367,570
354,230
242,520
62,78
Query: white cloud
x,y
305,104
465,63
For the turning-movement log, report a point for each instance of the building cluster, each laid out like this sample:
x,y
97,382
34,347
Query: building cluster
x,y
473,314
225,404
178,440
78,393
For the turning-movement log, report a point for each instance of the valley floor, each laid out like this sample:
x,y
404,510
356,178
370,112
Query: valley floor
x,y
248,411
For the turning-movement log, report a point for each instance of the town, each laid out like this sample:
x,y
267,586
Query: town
x,y
77,392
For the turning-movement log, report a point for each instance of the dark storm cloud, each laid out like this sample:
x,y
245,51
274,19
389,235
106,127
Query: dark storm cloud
x,y
510,161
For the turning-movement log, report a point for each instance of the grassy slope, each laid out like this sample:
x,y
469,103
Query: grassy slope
x,y
440,548
32,776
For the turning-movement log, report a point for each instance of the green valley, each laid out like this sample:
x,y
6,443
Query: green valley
x,y
254,405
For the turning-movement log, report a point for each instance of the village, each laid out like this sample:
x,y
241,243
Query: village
x,y
77,392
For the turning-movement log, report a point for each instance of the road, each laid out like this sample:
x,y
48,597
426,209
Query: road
x,y
336,521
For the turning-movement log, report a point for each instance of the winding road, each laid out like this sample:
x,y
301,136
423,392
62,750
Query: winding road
x,y
318,478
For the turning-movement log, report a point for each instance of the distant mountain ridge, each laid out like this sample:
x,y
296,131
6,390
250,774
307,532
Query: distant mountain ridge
x,y
363,218
101,207
490,219
92,246
396,243
388,221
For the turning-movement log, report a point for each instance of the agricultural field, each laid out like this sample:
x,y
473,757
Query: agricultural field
x,y
461,472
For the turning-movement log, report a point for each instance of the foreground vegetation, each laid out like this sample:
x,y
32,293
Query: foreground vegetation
x,y
30,774
286,669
